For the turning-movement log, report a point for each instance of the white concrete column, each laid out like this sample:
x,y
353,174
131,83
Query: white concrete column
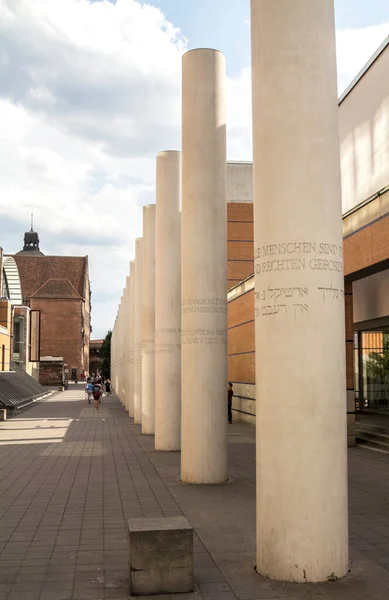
x,y
148,320
123,350
113,354
138,333
114,371
299,289
126,332
168,303
131,309
204,269
119,392
119,350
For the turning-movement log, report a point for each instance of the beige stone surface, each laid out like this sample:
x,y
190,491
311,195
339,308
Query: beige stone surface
x,y
239,181
299,289
131,339
204,269
126,341
138,333
148,320
168,303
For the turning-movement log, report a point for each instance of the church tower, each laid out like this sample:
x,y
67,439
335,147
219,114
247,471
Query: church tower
x,y
31,241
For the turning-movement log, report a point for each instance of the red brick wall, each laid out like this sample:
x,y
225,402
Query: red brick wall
x,y
367,246
241,339
361,249
61,330
240,242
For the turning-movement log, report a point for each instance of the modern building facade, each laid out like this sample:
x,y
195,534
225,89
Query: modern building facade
x,y
364,145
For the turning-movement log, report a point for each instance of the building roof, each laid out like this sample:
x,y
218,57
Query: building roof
x,y
57,288
95,343
52,276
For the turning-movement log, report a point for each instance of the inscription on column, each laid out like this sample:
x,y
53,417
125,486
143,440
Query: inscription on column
x,y
137,353
167,347
204,306
204,335
301,256
148,346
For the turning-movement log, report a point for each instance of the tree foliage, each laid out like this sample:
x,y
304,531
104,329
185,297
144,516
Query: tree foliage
x,y
105,354
377,365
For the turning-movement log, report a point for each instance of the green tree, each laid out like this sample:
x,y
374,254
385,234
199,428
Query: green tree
x,y
377,365
105,354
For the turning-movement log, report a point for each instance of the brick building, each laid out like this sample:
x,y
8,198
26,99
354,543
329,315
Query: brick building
x,y
58,287
364,146
95,359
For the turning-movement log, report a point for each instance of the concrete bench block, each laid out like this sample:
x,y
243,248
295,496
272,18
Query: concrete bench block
x,y
161,556
3,414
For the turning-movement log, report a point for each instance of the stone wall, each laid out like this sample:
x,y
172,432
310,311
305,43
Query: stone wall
x,y
51,372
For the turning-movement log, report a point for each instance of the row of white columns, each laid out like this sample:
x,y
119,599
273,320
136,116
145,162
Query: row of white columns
x,y
174,302
177,311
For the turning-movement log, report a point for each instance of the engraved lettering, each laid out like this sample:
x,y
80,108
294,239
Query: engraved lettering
x,y
300,309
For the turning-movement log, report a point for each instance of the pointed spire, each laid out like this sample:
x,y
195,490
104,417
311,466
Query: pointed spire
x,y
32,219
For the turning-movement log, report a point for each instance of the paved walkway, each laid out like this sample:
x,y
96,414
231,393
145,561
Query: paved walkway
x,y
70,477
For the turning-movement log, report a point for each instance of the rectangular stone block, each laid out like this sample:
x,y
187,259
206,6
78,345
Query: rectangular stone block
x,y
3,414
160,556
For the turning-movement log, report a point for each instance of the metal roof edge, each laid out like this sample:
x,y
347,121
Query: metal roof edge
x,y
364,70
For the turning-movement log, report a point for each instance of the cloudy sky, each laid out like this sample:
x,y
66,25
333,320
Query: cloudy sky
x,y
90,92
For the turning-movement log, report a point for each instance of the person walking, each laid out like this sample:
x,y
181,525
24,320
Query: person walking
x,y
108,386
230,394
89,391
97,393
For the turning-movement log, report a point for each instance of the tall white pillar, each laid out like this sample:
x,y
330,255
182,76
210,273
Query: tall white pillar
x,y
126,352
113,356
204,269
123,349
148,320
138,333
114,342
299,289
120,353
131,308
168,303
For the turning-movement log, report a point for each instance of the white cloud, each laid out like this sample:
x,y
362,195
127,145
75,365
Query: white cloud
x,y
354,49
89,93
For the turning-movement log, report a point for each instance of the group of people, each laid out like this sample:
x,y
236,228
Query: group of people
x,y
95,388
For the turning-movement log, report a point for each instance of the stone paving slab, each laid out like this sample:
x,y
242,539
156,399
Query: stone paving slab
x,y
71,476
